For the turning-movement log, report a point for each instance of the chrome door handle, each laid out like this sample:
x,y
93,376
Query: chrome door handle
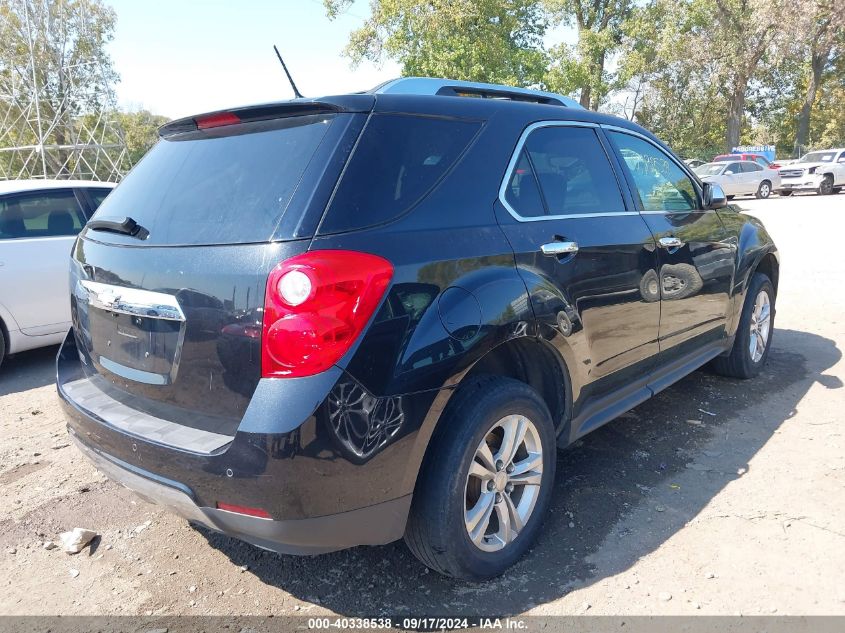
x,y
669,242
556,249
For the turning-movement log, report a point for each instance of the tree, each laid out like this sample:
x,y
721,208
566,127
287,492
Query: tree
x,y
54,67
600,26
497,41
827,126
666,78
140,131
823,43
745,33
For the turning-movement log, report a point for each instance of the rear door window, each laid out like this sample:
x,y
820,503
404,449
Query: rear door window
x,y
749,167
229,185
573,172
398,160
523,192
54,213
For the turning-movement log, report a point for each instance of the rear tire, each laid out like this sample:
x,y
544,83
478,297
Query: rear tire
x,y
754,332
463,511
764,190
2,345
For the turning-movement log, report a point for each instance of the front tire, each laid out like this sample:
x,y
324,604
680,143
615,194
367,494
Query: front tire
x,y
485,486
754,332
764,190
826,186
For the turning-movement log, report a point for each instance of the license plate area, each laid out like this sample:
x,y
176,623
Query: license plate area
x,y
136,334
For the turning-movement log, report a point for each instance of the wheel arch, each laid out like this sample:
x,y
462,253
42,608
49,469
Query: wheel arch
x,y
4,332
769,266
528,359
7,321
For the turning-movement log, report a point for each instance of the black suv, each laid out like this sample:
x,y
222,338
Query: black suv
x,y
324,323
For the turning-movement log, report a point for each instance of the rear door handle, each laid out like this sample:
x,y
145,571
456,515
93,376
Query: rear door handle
x,y
556,249
670,242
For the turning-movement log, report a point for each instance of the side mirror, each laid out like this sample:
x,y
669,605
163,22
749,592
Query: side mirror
x,y
714,196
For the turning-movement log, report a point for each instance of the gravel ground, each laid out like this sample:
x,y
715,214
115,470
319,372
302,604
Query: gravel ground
x,y
715,497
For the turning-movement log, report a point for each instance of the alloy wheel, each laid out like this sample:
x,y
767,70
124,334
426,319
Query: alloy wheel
x,y
503,483
760,326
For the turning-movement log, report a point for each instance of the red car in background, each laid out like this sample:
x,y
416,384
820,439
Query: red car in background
x,y
757,158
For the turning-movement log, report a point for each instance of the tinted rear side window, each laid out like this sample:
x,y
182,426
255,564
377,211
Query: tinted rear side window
x,y
523,192
573,170
42,214
399,158
224,186
98,195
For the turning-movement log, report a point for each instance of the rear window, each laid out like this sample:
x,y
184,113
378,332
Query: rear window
x,y
224,186
398,160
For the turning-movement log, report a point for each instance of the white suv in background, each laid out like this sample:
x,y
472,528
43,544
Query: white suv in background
x,y
39,220
822,171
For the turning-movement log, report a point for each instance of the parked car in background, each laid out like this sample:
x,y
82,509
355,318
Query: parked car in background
x,y
331,322
822,171
694,162
757,158
739,178
39,221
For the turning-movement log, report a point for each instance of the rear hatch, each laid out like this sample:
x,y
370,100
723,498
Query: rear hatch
x,y
168,279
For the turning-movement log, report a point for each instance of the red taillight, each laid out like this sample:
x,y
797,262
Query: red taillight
x,y
251,512
315,306
217,120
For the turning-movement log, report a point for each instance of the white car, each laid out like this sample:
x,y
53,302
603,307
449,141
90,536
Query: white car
x,y
39,220
822,172
741,177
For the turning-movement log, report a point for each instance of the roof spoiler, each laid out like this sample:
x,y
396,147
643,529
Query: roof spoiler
x,y
266,112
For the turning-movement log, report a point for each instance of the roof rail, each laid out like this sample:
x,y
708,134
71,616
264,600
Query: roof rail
x,y
455,88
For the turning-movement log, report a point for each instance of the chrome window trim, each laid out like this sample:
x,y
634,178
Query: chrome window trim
x,y
515,159
683,166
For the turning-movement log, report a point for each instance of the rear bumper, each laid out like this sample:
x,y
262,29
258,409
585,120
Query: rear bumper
x,y
374,525
285,458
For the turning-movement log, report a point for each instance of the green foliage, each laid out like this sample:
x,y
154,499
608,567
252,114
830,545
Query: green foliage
x,y
600,25
140,132
703,74
499,41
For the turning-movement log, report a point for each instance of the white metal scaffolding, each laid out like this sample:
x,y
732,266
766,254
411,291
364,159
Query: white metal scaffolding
x,y
43,136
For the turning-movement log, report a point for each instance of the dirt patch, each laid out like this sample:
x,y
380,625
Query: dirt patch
x,y
18,472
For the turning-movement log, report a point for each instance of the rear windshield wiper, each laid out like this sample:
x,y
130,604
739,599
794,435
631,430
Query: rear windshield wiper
x,y
124,226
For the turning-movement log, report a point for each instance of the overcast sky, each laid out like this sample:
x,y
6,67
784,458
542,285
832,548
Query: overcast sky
x,y
182,57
